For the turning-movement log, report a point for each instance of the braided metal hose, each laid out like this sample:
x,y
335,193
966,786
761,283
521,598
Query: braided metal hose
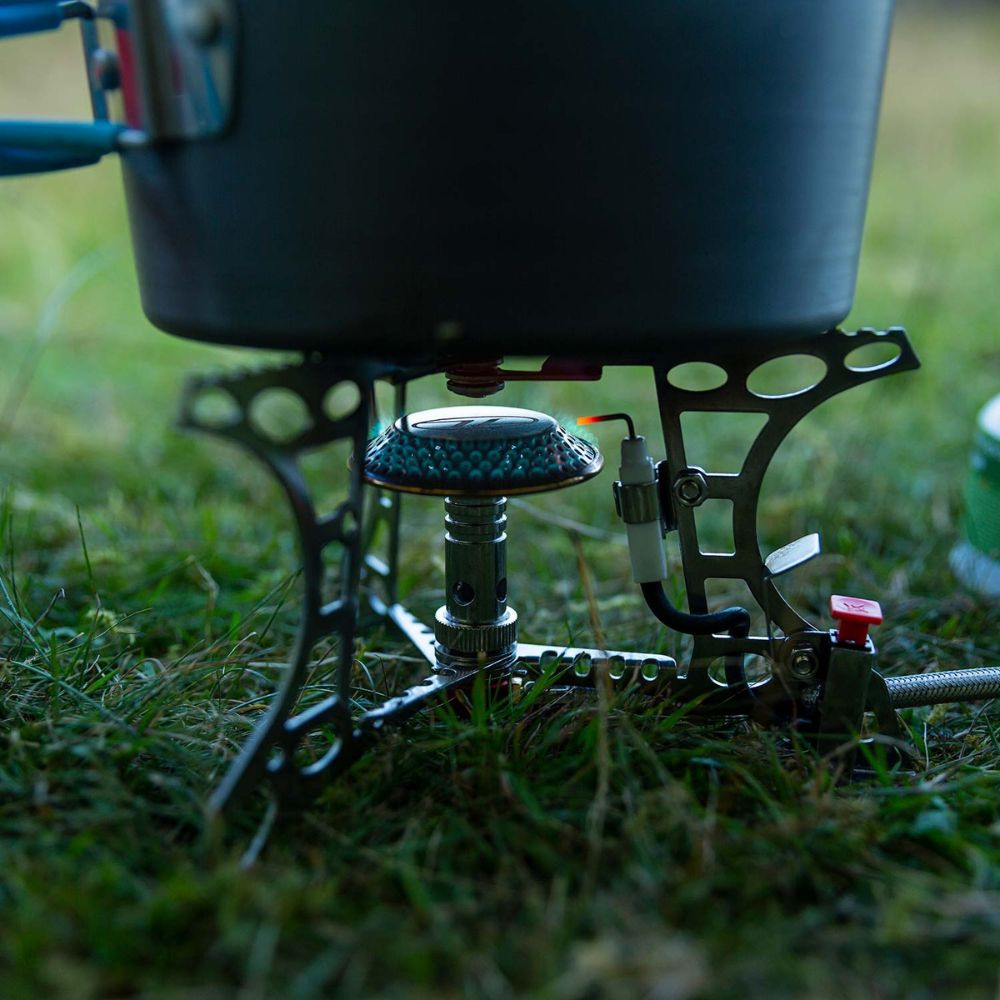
x,y
944,686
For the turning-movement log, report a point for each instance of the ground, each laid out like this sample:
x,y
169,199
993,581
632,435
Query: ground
x,y
148,597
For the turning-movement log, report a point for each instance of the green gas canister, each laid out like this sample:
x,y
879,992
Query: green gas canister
x,y
976,559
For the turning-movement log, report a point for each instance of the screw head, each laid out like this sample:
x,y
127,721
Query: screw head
x,y
804,663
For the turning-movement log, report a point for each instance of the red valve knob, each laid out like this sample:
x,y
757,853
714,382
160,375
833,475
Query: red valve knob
x,y
853,616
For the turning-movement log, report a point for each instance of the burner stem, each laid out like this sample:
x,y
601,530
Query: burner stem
x,y
476,559
475,623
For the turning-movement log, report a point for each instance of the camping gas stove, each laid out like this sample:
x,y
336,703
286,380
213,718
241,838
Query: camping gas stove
x,y
821,682
417,190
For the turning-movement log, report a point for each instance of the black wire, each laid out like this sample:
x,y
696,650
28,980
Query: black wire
x,y
735,621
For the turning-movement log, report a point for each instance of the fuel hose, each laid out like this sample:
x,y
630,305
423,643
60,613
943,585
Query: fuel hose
x,y
944,686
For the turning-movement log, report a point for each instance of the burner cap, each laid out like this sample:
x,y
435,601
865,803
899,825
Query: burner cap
x,y
478,451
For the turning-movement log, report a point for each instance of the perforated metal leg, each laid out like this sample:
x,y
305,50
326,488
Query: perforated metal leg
x,y
743,488
800,653
270,751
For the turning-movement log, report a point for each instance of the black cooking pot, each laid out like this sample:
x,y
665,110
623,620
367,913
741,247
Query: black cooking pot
x,y
584,177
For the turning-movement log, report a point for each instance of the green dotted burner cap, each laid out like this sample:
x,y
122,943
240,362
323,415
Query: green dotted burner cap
x,y
478,451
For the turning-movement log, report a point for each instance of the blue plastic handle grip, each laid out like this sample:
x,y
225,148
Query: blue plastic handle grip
x,y
31,147
17,162
28,18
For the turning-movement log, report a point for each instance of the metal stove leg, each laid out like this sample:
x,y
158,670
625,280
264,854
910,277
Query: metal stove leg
x,y
743,488
655,673
384,514
382,574
799,652
271,750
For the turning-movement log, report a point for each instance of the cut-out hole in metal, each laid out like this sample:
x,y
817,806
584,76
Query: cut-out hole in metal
x,y
697,376
721,440
349,524
714,520
464,593
341,400
331,588
279,414
216,409
386,399
316,750
872,357
786,376
756,670
326,471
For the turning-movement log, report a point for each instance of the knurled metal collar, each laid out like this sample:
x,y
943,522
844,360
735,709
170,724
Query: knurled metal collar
x,y
458,637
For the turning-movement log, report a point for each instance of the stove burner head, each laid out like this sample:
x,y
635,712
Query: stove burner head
x,y
478,451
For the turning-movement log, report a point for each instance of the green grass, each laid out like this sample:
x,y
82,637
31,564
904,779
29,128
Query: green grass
x,y
559,850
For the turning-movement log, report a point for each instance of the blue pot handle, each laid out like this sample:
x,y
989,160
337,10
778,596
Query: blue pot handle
x,y
31,147
34,147
28,18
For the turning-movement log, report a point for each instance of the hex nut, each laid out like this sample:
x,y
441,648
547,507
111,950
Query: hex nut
x,y
691,487
804,664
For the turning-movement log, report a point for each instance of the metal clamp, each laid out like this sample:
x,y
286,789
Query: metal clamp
x,y
637,503
184,53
